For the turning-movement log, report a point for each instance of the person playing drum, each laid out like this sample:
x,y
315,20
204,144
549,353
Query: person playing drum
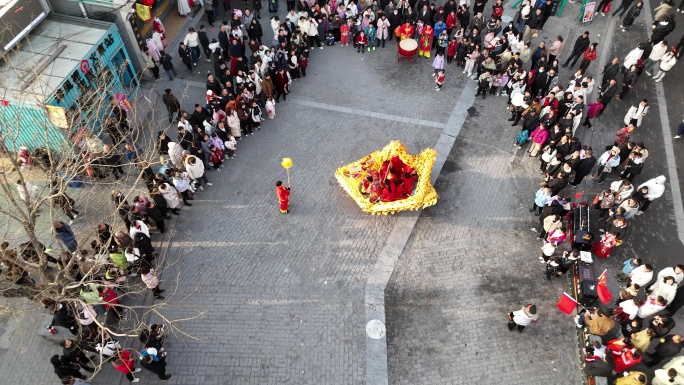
x,y
405,31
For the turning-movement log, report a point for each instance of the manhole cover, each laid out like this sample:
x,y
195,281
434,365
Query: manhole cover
x,y
375,329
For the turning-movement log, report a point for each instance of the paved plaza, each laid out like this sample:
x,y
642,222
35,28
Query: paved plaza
x,y
265,298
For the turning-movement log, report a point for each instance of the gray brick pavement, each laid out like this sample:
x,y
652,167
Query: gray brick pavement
x,y
446,304
280,297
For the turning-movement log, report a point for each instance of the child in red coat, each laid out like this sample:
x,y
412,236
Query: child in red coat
x,y
439,79
451,49
216,157
361,42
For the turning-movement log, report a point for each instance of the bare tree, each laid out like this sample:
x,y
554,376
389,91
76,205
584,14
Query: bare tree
x,y
105,153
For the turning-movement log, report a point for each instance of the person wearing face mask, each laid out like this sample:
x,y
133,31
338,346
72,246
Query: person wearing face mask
x,y
394,19
539,82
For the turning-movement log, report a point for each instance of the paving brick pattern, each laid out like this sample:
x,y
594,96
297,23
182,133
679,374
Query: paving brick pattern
x,y
472,257
273,299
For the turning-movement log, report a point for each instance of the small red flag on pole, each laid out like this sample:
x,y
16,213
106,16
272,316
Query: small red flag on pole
x,y
566,303
602,290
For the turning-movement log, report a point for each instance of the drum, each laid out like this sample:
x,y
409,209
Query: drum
x,y
408,48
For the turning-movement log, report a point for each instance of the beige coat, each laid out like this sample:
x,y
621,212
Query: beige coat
x,y
234,124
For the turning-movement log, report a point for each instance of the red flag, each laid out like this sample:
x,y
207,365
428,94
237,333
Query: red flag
x,y
566,303
578,195
602,290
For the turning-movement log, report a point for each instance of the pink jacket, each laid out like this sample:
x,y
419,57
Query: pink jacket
x,y
594,109
539,135
150,280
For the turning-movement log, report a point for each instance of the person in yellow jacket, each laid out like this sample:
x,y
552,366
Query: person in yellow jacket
x,y
631,378
642,339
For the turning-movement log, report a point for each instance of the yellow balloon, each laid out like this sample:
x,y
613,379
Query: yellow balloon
x,y
286,163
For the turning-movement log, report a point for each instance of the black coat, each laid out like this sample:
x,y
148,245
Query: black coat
x,y
630,79
214,86
464,19
65,370
160,202
479,6
156,215
662,30
64,318
185,55
394,20
539,82
224,40
581,45
610,71
555,137
425,18
661,330
105,236
607,93
669,348
530,122
157,367
677,302
171,102
631,15
534,21
185,139
76,353
197,118
203,38
144,244
409,17
449,6
255,31
166,62
585,166
550,210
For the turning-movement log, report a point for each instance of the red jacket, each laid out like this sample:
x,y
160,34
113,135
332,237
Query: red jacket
x,y
127,364
362,39
451,21
625,361
497,11
551,103
283,193
451,48
109,298
589,54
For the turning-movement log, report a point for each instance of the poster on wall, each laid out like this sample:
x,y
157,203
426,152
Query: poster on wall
x,y
57,116
144,12
588,12
123,101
